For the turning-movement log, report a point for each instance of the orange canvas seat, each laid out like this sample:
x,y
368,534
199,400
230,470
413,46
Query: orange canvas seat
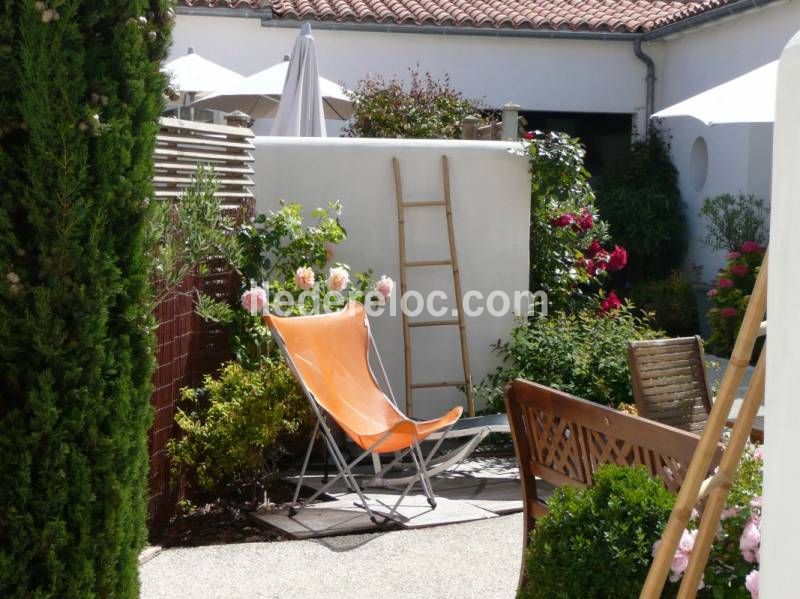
x,y
329,355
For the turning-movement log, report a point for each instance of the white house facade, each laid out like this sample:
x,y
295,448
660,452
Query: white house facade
x,y
588,58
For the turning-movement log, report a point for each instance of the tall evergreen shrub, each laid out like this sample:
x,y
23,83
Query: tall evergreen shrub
x,y
80,93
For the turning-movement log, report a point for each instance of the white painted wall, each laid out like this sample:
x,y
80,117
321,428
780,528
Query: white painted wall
x,y
491,198
781,526
739,156
538,74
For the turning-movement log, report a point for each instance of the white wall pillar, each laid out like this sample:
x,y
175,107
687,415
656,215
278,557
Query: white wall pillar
x,y
780,556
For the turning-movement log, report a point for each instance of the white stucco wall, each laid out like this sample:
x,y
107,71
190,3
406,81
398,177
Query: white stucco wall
x,y
781,526
538,74
739,156
491,198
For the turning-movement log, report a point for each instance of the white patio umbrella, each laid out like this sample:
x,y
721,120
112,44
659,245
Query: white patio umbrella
x,y
300,112
749,98
259,95
193,74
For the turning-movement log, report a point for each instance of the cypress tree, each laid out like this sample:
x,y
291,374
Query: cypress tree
x,y
80,94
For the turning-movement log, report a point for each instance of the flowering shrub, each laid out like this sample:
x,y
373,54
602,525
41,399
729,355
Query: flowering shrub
x,y
596,542
231,428
283,260
735,220
732,570
570,247
577,353
426,109
731,293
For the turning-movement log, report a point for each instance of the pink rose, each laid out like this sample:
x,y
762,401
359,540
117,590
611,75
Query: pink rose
x,y
688,537
725,283
254,300
304,277
338,278
729,512
751,583
610,303
564,220
680,561
385,287
758,454
751,247
711,292
617,259
586,220
750,542
733,255
740,270
728,312
757,502
593,249
328,253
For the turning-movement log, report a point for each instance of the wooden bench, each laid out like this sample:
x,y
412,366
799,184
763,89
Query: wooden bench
x,y
563,440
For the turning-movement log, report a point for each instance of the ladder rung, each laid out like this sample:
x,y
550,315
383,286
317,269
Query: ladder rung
x,y
433,323
442,384
428,263
424,204
720,479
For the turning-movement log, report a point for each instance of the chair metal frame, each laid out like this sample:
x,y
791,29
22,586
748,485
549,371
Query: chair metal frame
x,y
420,462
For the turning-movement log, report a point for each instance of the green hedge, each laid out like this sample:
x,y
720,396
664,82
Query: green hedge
x,y
80,93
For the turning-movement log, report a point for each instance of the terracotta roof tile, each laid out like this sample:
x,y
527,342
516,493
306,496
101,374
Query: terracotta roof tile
x,y
576,15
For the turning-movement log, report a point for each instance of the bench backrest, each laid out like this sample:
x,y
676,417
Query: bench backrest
x,y
563,440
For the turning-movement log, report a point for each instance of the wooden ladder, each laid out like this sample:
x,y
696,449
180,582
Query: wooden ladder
x,y
715,488
466,382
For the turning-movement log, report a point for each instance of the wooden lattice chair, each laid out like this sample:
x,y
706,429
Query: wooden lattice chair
x,y
562,440
669,382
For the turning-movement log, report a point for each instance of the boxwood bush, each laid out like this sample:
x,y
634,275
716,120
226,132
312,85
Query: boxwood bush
x,y
597,543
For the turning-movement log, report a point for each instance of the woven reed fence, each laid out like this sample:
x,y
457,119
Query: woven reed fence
x,y
187,347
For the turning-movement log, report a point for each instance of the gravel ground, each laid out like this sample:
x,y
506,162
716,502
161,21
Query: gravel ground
x,y
476,559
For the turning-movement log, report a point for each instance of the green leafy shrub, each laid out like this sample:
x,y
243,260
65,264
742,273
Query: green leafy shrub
x,y
231,428
80,95
671,302
583,354
427,109
570,249
597,543
734,220
730,295
642,203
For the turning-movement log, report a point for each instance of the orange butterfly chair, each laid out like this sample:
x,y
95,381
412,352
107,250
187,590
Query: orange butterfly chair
x,y
329,355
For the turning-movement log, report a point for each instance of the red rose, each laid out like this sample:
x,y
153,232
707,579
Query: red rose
x,y
586,220
601,260
564,220
529,135
617,259
728,312
611,302
751,247
740,270
590,266
725,283
593,249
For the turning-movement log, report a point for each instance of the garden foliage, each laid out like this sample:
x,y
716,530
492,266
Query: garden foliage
x,y
642,203
80,94
570,249
584,354
734,220
672,303
231,428
730,295
597,542
426,108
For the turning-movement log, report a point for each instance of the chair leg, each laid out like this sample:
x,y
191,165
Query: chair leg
x,y
420,462
292,509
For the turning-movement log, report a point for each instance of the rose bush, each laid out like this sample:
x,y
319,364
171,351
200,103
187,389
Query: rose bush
x,y
731,293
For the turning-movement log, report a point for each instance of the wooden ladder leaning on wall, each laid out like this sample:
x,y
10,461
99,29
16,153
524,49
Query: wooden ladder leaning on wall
x,y
402,204
715,488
